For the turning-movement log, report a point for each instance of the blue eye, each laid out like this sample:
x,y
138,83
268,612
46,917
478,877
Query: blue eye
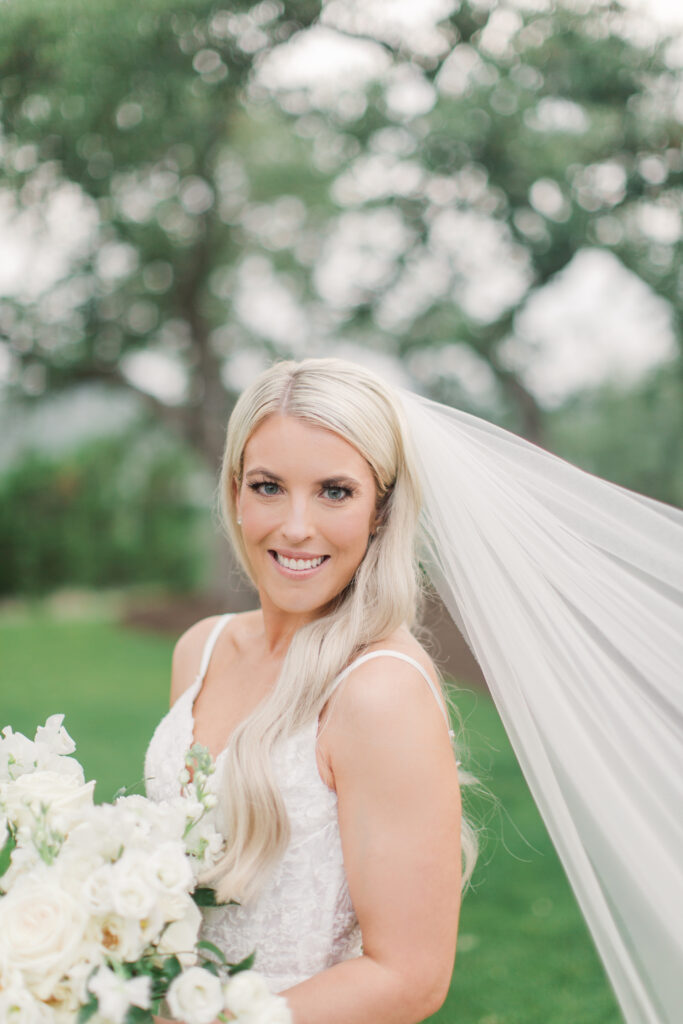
x,y
264,483
334,493
344,492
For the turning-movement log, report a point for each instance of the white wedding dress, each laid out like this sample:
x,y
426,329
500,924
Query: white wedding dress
x,y
303,920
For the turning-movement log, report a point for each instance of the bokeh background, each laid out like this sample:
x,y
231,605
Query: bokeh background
x,y
481,200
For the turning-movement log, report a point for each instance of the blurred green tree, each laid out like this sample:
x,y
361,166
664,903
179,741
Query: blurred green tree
x,y
140,108
113,512
418,209
490,154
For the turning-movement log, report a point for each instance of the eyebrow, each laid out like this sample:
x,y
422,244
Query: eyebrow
x,y
329,481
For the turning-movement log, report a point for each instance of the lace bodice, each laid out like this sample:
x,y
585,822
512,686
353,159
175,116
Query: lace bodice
x,y
303,919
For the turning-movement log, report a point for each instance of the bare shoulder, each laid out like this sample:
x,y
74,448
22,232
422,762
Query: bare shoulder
x,y
187,653
387,720
402,641
391,692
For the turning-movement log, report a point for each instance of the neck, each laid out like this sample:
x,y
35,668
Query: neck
x,y
278,627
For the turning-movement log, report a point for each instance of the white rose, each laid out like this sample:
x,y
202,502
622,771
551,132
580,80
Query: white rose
x,y
41,931
142,821
276,1011
169,868
115,994
96,890
245,992
63,795
195,996
180,936
131,893
49,762
173,905
97,835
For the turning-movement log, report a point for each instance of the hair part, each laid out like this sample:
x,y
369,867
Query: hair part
x,y
387,591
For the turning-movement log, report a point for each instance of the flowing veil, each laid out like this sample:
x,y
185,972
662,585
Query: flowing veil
x,y
569,591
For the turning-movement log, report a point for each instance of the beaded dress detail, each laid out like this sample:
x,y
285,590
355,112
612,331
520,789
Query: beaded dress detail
x,y
303,920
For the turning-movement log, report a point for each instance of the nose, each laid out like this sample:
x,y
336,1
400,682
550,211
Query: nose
x,y
297,524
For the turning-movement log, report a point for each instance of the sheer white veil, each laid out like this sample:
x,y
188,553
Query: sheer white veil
x,y
569,591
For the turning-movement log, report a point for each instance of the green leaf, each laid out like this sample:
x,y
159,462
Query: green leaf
x,y
171,968
87,1011
244,965
205,896
6,853
136,1015
205,944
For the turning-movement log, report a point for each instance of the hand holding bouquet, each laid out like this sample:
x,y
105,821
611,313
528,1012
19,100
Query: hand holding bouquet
x,y
99,904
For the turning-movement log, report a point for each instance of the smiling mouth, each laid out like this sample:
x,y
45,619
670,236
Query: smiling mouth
x,y
298,564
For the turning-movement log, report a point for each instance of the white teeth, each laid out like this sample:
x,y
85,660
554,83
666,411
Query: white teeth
x,y
299,563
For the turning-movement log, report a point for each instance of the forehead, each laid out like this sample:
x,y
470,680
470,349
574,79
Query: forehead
x,y
281,442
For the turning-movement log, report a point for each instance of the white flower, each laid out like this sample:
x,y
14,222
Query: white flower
x,y
19,1006
97,836
169,868
195,996
79,975
276,1011
176,813
247,996
205,844
180,936
17,754
63,796
246,992
54,736
4,831
22,860
96,890
115,994
131,893
119,937
53,746
41,930
152,925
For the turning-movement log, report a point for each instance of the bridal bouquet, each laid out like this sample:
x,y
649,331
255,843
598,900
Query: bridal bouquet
x,y
99,904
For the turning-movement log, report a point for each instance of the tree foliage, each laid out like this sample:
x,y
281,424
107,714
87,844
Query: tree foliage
x,y
416,212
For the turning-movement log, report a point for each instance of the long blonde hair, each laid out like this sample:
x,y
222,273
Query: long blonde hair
x,y
385,592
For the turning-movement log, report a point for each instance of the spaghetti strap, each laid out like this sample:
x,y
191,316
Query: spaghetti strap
x,y
210,644
404,657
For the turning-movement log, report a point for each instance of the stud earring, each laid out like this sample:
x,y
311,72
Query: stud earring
x,y
239,520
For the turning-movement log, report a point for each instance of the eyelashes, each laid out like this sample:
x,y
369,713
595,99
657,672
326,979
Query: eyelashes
x,y
347,492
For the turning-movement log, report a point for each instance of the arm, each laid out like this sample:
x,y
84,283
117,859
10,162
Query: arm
x,y
399,817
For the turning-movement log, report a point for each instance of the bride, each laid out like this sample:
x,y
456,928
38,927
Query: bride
x,y
339,789
337,781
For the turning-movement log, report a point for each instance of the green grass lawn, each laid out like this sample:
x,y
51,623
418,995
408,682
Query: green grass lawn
x,y
524,954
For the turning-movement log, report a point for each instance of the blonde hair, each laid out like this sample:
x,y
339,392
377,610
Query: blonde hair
x,y
385,592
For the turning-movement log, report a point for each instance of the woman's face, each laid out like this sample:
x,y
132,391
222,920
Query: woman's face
x,y
306,495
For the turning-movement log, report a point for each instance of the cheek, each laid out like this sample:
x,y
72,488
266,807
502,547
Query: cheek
x,y
351,531
257,520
